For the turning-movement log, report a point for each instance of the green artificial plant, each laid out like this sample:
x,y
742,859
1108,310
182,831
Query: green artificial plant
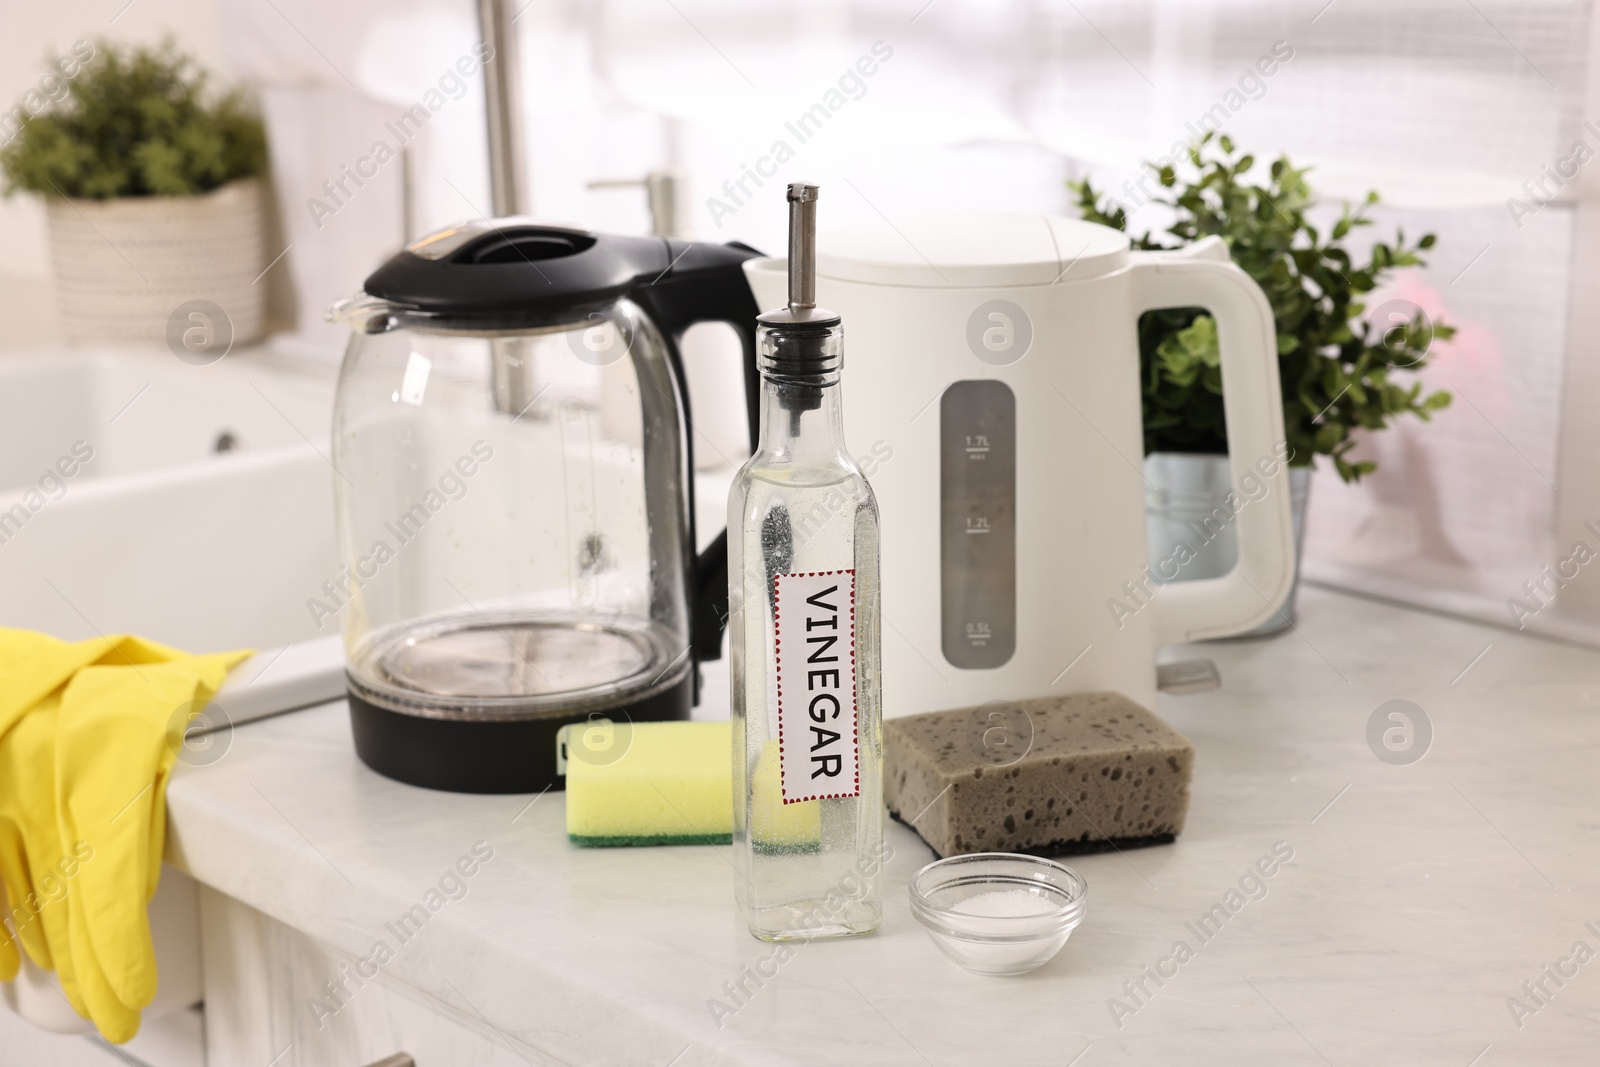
x,y
136,121
1337,369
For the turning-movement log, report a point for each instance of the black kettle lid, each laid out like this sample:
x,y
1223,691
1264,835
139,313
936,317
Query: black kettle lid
x,y
511,272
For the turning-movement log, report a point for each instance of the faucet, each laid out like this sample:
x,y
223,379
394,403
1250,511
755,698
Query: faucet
x,y
508,191
661,190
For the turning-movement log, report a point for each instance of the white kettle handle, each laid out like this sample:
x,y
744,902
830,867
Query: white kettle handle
x,y
1250,594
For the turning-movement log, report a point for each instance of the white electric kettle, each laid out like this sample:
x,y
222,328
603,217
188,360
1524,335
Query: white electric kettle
x,y
992,391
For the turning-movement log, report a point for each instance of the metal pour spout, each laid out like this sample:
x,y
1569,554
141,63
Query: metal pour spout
x,y
802,246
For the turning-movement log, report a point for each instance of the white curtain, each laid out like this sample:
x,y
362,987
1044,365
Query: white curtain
x,y
336,78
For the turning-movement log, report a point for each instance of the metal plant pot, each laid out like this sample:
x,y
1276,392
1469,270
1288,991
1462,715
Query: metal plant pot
x,y
1185,503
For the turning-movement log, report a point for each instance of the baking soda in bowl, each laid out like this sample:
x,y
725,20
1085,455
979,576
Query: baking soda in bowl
x,y
1008,903
998,913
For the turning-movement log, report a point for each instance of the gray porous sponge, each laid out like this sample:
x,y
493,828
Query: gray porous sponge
x,y
1098,771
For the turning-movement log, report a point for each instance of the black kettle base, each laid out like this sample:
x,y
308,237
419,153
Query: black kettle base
x,y
486,756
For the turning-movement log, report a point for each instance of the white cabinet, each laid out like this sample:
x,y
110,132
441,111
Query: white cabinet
x,y
39,1027
175,1040
268,1002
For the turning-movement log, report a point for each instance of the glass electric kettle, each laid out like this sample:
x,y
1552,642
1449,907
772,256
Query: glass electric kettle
x,y
514,497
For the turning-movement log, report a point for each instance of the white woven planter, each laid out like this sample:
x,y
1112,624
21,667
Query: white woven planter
x,y
123,266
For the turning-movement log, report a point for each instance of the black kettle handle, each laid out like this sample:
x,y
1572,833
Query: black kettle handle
x,y
706,283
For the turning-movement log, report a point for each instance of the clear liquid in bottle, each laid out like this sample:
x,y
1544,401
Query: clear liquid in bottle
x,y
804,639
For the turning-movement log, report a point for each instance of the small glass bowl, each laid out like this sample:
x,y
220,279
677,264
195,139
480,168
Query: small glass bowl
x,y
998,913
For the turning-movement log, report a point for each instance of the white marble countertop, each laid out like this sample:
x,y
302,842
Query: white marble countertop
x,y
1419,900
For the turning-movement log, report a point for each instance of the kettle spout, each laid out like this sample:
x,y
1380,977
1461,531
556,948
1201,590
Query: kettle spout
x,y
362,313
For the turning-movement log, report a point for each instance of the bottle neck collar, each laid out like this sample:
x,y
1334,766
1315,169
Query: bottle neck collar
x,y
802,418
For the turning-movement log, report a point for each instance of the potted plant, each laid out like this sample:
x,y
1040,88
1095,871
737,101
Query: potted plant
x,y
153,195
1338,365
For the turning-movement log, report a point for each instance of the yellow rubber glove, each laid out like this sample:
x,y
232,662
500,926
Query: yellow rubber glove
x,y
116,740
38,876
10,961
83,775
33,669
27,799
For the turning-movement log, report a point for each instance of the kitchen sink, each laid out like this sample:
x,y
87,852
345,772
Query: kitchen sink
x,y
190,504
142,410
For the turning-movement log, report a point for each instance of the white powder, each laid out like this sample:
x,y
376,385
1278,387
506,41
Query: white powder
x,y
1008,903
983,938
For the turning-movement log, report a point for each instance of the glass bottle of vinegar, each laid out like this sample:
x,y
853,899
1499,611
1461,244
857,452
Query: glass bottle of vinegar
x,y
804,635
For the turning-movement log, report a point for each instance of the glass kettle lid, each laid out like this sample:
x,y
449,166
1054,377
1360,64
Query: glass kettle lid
x,y
514,273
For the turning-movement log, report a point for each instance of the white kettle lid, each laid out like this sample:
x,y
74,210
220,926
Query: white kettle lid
x,y
971,251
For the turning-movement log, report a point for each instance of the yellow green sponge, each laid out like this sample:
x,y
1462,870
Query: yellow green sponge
x,y
776,827
672,784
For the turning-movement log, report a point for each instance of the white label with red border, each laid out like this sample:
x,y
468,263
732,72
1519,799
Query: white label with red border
x,y
818,743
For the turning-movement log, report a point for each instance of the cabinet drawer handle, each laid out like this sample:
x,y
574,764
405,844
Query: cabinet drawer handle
x,y
399,1059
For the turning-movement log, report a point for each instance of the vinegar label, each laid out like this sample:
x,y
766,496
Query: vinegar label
x,y
818,742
